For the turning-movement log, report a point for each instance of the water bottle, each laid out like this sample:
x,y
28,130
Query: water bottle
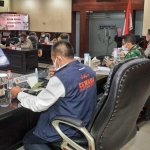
x,y
89,61
115,54
86,58
36,74
9,79
119,54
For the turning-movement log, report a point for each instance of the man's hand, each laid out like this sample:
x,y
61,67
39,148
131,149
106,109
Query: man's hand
x,y
15,90
108,62
18,44
51,71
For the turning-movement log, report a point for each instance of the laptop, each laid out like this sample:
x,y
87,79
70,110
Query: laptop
x,y
3,59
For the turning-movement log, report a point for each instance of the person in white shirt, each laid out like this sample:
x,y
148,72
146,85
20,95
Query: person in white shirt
x,y
147,51
71,91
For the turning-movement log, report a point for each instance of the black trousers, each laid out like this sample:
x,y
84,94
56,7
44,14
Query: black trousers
x,y
33,142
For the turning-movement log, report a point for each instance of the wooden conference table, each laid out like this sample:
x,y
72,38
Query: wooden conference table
x,y
21,61
16,121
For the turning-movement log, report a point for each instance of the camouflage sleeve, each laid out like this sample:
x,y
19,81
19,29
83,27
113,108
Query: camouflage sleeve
x,y
133,53
111,65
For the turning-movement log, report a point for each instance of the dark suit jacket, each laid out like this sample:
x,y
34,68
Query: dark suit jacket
x,y
11,40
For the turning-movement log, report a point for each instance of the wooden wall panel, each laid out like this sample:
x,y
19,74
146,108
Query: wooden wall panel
x,y
83,33
73,33
100,6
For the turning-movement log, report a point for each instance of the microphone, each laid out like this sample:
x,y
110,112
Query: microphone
x,y
140,42
43,74
142,52
109,37
103,62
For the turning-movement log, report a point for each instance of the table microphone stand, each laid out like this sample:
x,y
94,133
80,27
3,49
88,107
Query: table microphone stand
x,y
103,62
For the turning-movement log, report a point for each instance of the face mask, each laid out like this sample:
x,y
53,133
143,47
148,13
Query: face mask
x,y
147,39
54,64
124,48
43,35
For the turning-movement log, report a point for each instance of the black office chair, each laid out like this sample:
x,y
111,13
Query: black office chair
x,y
114,121
34,42
48,35
32,34
65,36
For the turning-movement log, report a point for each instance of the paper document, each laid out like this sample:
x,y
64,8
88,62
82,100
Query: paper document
x,y
125,52
37,85
18,48
32,81
103,70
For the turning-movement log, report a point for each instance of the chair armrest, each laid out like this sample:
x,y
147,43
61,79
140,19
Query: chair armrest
x,y
76,123
70,120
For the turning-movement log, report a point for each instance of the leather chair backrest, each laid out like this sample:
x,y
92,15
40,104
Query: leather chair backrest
x,y
32,34
65,36
34,42
115,124
48,35
102,99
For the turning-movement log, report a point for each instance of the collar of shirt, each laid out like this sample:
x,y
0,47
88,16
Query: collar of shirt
x,y
63,65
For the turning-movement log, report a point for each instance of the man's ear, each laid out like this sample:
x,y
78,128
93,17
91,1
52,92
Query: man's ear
x,y
127,44
59,57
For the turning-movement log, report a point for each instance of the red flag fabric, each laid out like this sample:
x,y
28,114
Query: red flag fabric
x,y
128,25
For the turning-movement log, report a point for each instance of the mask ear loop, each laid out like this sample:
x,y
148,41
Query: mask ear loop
x,y
125,46
61,59
54,64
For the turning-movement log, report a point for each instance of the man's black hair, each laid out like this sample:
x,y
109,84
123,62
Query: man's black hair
x,y
149,31
12,35
23,35
129,38
64,48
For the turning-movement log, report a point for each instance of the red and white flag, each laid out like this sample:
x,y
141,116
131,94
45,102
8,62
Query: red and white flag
x,y
128,25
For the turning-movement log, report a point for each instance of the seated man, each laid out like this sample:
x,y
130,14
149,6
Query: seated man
x,y
129,43
71,91
25,42
147,51
11,40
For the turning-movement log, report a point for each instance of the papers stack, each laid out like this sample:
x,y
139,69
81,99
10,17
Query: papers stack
x,y
103,70
32,81
95,63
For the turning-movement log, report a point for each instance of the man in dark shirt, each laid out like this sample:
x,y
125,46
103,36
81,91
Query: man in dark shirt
x,y
12,40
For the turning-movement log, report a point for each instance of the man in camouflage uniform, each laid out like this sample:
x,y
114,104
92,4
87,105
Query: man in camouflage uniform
x,y
135,51
129,43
